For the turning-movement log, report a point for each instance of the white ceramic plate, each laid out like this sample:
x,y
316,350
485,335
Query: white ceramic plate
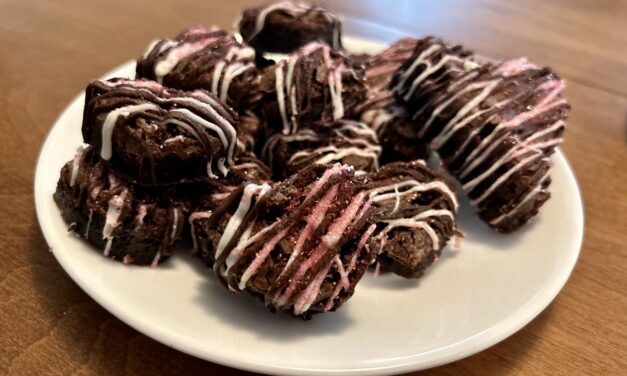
x,y
469,300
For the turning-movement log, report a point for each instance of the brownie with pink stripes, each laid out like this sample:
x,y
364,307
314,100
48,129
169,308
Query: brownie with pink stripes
x,y
209,59
494,127
300,245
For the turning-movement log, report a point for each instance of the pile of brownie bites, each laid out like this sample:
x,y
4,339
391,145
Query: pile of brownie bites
x,y
292,178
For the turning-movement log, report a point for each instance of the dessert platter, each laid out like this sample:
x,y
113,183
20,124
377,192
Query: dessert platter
x,y
290,200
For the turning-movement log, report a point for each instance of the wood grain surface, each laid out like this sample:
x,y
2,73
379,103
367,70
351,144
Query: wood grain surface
x,y
50,49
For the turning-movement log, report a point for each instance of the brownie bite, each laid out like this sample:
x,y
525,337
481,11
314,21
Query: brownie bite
x,y
153,135
345,141
285,26
209,59
128,223
300,245
494,127
314,85
415,210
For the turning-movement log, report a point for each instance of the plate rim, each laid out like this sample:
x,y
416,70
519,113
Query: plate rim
x,y
471,345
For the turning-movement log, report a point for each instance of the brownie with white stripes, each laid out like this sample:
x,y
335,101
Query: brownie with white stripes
x,y
345,141
494,127
209,59
127,223
154,135
287,25
415,210
300,245
314,85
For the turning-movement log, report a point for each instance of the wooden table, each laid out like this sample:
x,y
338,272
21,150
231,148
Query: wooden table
x,y
50,49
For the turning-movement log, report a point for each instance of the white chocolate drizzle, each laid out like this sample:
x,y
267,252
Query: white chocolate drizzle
x,y
185,113
230,249
528,197
175,224
412,186
362,142
112,119
112,219
76,165
250,191
91,213
176,54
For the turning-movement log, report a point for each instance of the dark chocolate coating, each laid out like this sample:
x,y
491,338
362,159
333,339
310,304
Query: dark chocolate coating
x,y
394,128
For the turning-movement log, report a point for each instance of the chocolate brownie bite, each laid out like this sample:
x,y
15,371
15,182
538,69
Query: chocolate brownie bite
x,y
128,223
345,141
209,59
300,245
494,127
153,135
314,85
415,211
285,26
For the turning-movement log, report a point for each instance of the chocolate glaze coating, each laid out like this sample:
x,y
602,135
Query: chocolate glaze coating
x,y
285,26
